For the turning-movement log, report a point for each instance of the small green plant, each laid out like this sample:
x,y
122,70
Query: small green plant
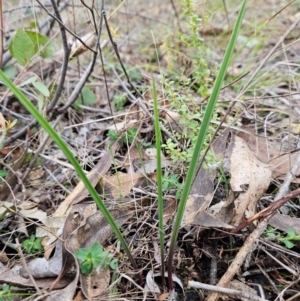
x,y
94,257
193,41
90,257
119,101
25,44
5,293
291,235
170,182
3,173
126,138
129,135
32,245
113,135
87,97
36,85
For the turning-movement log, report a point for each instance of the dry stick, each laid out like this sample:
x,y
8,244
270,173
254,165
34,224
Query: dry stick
x,y
26,266
236,264
66,28
268,278
118,54
105,77
267,212
281,40
228,291
176,15
294,297
226,12
86,75
251,240
64,67
92,13
290,270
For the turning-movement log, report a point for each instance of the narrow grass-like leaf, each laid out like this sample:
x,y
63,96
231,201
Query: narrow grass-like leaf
x,y
201,138
159,183
63,146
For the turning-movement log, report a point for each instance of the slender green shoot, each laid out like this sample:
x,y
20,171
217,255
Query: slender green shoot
x,y
63,146
159,184
201,138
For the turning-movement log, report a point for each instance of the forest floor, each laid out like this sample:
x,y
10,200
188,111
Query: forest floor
x,y
240,228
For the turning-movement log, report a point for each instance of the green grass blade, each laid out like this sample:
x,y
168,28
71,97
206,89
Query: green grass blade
x,y
159,184
63,146
201,137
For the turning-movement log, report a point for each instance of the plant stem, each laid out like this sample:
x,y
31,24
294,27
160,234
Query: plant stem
x,y
201,138
159,185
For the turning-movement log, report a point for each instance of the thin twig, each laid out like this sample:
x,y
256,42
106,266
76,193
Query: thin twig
x,y
176,15
26,266
66,28
227,291
64,66
92,13
105,79
115,47
86,75
240,258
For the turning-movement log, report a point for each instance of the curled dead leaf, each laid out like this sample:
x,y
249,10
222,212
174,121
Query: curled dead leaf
x,y
250,178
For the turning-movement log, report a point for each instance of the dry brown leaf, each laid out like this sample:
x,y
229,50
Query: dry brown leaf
x,y
119,185
242,287
157,253
270,152
96,283
80,192
284,222
67,293
36,174
250,178
202,192
43,268
143,161
163,296
12,276
82,229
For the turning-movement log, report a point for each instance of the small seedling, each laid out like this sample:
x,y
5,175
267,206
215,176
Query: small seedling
x,y
3,173
291,235
119,101
87,97
5,293
94,257
170,182
113,135
127,137
32,245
